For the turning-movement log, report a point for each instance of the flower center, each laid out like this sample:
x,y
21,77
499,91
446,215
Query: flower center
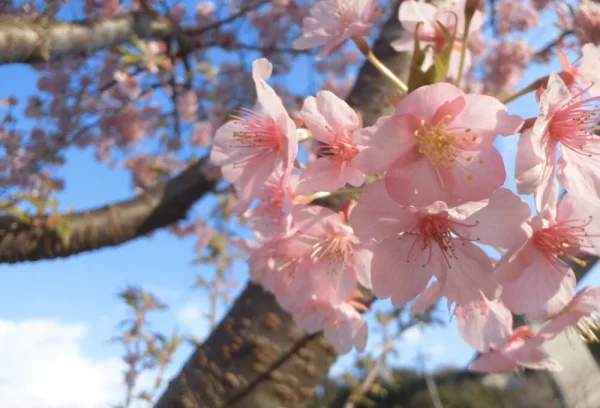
x,y
436,230
260,133
341,150
336,247
439,143
575,126
522,333
561,239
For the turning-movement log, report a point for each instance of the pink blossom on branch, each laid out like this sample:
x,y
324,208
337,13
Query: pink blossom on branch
x,y
521,350
251,147
581,315
423,18
333,123
536,281
486,325
438,146
566,126
415,245
333,22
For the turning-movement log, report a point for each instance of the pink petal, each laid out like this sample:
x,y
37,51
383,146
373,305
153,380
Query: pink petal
x,y
542,290
487,117
588,72
390,138
580,173
513,263
546,195
378,216
348,330
469,275
485,325
425,101
529,166
362,259
337,113
586,215
267,98
414,181
501,223
478,178
493,362
413,12
400,269
334,280
427,298
528,355
322,174
354,176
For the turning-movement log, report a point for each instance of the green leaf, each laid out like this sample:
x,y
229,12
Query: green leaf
x,y
441,60
417,77
63,229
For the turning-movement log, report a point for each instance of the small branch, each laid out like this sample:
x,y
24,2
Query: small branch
x,y
548,47
110,225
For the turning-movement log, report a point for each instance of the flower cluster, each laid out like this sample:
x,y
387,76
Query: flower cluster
x,y
428,182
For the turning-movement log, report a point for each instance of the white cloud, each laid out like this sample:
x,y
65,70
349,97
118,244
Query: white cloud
x,y
413,335
193,317
42,365
435,350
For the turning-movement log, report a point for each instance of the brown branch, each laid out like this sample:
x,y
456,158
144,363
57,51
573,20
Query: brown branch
x,y
25,39
110,225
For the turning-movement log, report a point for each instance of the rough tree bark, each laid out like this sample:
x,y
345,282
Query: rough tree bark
x,y
41,39
110,225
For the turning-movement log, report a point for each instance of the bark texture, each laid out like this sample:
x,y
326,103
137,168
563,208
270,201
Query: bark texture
x,y
106,226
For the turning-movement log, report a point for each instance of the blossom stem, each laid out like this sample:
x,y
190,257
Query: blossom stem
x,y
463,51
534,86
367,52
344,191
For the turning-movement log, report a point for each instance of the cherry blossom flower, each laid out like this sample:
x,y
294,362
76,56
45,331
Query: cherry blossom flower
x,y
438,146
516,16
342,325
486,325
332,122
536,281
424,17
415,245
581,315
505,64
566,127
521,350
584,76
272,216
333,22
251,147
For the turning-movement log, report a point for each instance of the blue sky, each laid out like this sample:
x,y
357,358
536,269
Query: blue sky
x,y
70,305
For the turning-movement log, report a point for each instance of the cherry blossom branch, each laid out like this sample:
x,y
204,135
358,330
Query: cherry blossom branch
x,y
110,225
366,50
25,39
548,47
534,86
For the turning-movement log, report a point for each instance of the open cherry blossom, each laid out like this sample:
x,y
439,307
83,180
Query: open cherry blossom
x,y
415,245
438,146
333,123
536,281
486,325
566,127
251,147
333,22
521,350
